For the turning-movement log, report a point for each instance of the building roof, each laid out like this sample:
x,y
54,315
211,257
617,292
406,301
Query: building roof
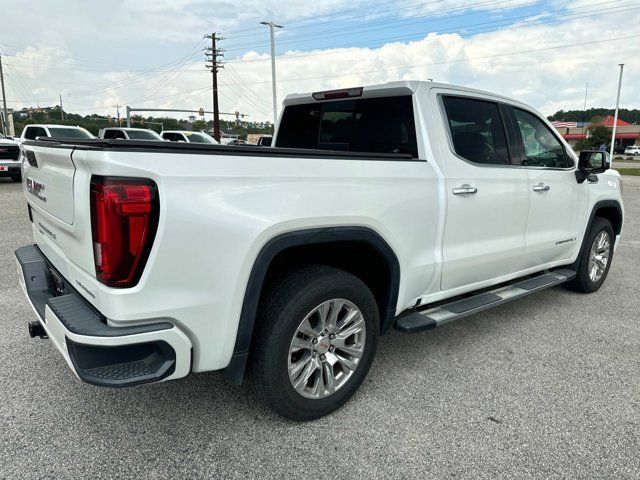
x,y
608,122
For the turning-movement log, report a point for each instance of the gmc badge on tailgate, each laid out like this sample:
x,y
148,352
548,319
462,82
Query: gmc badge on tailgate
x,y
36,188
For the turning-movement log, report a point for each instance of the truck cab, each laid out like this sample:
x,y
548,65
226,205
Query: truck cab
x,y
35,131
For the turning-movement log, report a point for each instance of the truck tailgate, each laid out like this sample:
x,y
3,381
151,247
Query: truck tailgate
x,y
49,181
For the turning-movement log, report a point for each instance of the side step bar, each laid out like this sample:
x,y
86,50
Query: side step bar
x,y
419,321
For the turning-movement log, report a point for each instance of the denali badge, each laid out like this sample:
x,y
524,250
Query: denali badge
x,y
567,240
36,188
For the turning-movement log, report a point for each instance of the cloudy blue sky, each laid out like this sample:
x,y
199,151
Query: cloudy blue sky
x,y
148,53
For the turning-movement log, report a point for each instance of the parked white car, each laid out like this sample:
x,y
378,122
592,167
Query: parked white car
x,y
10,159
406,205
34,131
120,133
632,150
187,136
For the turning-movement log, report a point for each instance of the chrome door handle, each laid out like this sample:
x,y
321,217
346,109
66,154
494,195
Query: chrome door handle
x,y
541,187
465,190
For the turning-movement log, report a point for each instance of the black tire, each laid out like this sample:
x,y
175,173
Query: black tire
x,y
582,281
284,307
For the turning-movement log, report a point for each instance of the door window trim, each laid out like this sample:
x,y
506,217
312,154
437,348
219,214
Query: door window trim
x,y
507,131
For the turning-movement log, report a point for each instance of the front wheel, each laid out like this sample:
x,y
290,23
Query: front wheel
x,y
595,258
315,340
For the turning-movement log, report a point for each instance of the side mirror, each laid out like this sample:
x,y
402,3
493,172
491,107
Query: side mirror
x,y
592,162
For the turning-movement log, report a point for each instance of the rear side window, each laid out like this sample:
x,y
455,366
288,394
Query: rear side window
x,y
169,136
376,125
477,130
541,147
110,134
33,132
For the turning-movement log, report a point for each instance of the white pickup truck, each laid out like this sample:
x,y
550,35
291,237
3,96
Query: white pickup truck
x,y
406,205
9,159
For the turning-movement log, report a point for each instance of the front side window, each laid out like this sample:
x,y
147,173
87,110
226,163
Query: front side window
x,y
143,135
477,130
197,137
541,147
61,132
370,125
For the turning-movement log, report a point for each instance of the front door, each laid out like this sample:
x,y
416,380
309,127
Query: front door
x,y
558,205
487,197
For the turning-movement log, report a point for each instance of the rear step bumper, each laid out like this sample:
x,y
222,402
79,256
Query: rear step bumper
x,y
419,321
97,352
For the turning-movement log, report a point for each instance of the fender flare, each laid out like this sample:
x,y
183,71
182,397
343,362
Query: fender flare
x,y
597,206
606,204
234,372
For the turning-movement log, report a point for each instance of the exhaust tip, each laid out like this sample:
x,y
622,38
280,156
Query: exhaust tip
x,y
36,330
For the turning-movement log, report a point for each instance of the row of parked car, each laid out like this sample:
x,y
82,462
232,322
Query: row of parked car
x,y
10,147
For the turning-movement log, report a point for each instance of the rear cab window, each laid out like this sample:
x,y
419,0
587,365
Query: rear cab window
x,y
34,132
369,125
108,134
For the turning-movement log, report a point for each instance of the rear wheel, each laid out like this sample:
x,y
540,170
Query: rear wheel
x,y
595,258
315,340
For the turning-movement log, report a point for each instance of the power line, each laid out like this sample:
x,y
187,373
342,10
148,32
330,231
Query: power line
x,y
460,60
466,28
365,27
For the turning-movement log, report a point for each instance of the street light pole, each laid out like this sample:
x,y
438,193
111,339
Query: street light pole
x,y
273,26
5,123
615,117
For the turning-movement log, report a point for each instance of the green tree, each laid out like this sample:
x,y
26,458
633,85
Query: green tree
x,y
199,125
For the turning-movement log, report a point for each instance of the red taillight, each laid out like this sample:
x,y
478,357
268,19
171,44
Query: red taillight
x,y
124,219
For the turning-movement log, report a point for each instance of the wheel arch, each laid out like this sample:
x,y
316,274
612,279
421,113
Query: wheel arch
x,y
609,209
308,240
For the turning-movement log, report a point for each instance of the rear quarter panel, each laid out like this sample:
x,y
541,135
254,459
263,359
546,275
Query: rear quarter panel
x,y
217,212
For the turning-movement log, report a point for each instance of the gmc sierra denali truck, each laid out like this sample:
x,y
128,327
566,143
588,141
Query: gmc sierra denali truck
x,y
406,205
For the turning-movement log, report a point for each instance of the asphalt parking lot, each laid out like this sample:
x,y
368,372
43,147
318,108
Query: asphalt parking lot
x,y
546,387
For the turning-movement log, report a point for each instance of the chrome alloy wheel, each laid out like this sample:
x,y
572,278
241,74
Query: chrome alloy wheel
x,y
326,348
599,256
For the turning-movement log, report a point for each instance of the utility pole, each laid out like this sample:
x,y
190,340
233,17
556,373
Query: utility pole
x,y
273,26
61,111
5,121
615,117
118,114
212,53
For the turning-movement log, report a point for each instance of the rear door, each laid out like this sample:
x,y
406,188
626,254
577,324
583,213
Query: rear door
x,y
558,205
487,197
